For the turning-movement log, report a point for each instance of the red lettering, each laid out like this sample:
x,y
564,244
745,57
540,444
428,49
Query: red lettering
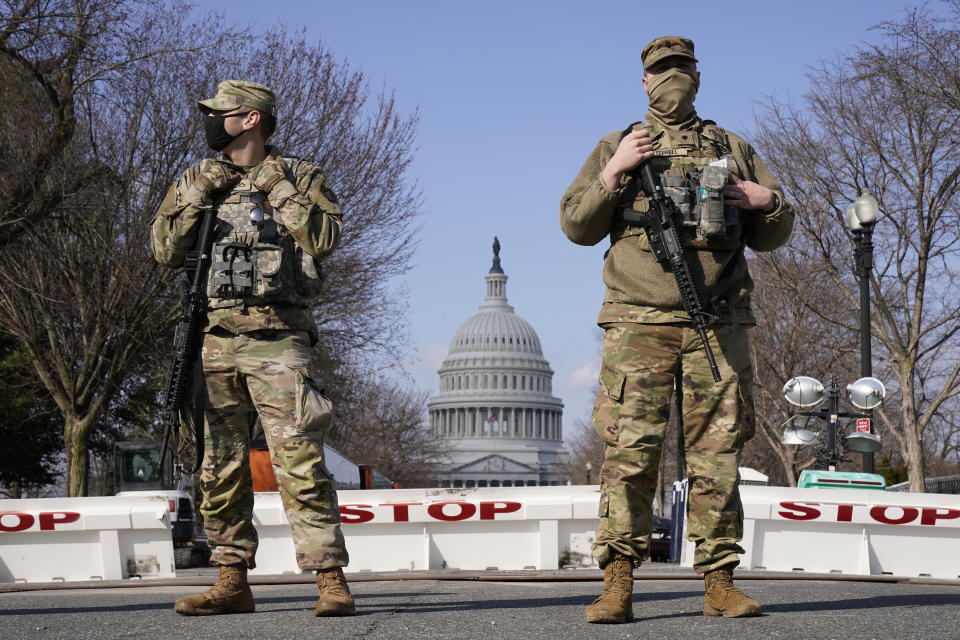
x,y
806,511
844,513
24,521
467,509
355,514
930,515
880,515
48,520
401,510
488,510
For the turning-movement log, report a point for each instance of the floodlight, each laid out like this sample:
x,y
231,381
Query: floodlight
x,y
863,442
803,392
866,393
798,437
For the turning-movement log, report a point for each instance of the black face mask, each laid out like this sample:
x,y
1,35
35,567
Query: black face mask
x,y
217,136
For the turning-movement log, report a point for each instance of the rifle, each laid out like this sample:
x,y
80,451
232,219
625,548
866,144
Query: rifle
x,y
187,342
660,224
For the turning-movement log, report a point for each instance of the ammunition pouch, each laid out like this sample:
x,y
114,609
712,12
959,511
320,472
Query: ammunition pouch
x,y
711,221
261,273
231,271
698,194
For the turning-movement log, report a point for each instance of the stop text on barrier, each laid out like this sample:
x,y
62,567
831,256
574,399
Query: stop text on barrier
x,y
865,513
448,511
13,521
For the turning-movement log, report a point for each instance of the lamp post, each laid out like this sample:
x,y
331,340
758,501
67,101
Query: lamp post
x,y
861,216
833,455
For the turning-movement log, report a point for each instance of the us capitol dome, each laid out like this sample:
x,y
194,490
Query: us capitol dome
x,y
495,412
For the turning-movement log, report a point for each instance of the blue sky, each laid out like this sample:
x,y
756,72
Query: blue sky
x,y
513,97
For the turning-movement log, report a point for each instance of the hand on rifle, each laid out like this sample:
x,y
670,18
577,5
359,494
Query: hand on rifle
x,y
635,148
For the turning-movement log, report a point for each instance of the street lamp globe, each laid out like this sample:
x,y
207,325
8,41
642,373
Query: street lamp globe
x,y
852,220
866,207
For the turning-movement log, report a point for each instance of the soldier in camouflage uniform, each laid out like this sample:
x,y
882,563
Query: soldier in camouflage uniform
x,y
276,219
649,339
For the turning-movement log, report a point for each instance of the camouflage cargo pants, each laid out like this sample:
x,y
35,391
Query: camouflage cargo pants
x,y
266,372
630,414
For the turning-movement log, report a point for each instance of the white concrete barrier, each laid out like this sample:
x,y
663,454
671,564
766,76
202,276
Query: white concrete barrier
x,y
810,530
469,529
68,539
850,532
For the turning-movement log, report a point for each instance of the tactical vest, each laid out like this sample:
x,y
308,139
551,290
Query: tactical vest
x,y
255,261
693,167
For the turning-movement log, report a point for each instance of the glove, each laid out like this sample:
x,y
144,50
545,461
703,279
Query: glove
x,y
271,178
214,178
268,173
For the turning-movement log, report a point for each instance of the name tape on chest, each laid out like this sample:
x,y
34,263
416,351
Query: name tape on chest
x,y
669,152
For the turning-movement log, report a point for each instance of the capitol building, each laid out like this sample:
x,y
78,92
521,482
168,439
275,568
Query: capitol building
x,y
495,413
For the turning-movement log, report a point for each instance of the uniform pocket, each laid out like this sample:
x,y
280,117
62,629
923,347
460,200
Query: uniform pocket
x,y
269,259
734,343
314,411
606,410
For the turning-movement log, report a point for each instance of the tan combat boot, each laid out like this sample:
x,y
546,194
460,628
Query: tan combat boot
x,y
722,598
335,598
614,605
230,594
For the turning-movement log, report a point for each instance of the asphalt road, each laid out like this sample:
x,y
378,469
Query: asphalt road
x,y
665,606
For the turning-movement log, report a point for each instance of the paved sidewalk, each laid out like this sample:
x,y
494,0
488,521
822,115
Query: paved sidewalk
x,y
666,605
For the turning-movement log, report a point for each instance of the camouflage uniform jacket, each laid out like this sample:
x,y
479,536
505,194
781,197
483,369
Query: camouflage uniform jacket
x,y
312,217
638,288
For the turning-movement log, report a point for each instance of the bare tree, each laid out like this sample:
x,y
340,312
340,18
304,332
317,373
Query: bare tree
x,y
387,430
79,289
795,335
56,52
869,120
586,447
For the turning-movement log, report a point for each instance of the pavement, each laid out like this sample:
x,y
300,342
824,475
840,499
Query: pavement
x,y
463,606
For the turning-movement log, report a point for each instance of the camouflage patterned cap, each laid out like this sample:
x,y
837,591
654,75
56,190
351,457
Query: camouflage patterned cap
x,y
232,94
666,46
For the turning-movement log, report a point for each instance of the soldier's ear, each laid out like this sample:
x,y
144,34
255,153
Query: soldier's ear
x,y
251,120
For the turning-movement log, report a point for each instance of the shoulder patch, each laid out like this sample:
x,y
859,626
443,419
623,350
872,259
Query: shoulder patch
x,y
328,192
298,167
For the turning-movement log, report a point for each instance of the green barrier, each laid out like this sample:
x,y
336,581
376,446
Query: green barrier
x,y
810,479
